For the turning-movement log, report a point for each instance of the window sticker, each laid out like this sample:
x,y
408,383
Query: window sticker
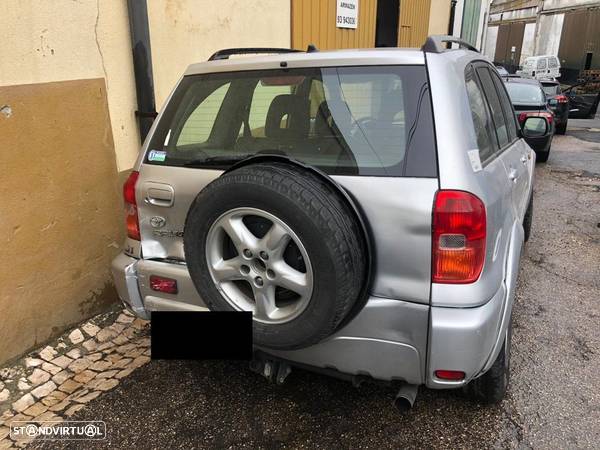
x,y
157,155
475,160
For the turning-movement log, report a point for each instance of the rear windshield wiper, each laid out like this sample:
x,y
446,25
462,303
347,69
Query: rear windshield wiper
x,y
216,160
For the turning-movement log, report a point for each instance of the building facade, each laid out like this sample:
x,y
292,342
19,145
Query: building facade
x,y
569,29
69,133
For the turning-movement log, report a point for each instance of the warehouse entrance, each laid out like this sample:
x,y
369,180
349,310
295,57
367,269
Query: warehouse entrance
x,y
386,32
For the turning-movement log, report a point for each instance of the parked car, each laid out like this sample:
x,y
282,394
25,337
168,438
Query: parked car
x,y
529,100
584,98
558,104
502,71
540,67
368,207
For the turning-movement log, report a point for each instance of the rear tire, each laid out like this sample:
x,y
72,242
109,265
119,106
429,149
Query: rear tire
x,y
320,262
542,156
561,129
491,387
528,220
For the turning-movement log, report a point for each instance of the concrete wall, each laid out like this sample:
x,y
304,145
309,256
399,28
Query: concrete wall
x,y
68,137
528,47
549,29
439,17
188,31
489,48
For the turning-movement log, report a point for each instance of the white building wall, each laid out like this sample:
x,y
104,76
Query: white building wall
x,y
483,19
489,48
528,47
547,40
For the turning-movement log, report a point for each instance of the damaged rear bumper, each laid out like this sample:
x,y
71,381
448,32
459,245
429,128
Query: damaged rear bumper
x,y
124,272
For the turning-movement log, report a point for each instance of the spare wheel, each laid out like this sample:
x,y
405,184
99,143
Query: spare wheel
x,y
280,241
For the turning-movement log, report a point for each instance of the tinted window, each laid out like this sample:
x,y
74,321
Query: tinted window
x,y
525,94
551,89
495,107
350,120
541,64
509,114
481,119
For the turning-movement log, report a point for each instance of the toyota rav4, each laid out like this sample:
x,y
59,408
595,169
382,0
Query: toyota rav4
x,y
368,207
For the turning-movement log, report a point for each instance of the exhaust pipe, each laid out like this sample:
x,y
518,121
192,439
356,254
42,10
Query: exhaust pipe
x,y
405,398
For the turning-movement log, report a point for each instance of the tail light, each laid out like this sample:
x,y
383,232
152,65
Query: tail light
x,y
562,98
459,232
450,375
162,284
525,115
131,212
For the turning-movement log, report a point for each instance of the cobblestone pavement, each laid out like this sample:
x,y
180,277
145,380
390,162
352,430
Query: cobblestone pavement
x,y
553,400
54,382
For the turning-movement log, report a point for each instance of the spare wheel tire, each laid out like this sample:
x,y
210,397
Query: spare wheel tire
x,y
280,241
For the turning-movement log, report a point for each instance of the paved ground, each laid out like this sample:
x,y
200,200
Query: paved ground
x,y
554,399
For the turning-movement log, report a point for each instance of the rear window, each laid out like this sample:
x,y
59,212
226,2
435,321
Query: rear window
x,y
525,94
351,120
551,89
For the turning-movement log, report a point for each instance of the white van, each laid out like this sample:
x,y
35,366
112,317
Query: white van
x,y
540,67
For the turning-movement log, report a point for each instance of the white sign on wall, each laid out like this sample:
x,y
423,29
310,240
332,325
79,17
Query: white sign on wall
x,y
347,14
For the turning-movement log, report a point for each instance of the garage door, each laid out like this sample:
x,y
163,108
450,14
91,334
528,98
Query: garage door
x,y
508,45
314,22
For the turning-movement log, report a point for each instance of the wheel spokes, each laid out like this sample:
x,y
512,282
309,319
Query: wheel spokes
x,y
292,279
238,232
265,302
228,269
275,240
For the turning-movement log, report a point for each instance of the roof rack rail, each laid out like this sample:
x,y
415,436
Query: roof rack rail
x,y
227,52
434,44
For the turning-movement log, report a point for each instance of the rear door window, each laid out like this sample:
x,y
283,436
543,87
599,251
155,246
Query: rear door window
x,y
482,122
495,106
373,120
509,114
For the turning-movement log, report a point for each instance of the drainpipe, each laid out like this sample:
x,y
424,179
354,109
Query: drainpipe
x,y
451,21
452,12
142,64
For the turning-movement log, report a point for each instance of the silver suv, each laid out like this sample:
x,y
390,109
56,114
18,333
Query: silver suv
x,y
368,206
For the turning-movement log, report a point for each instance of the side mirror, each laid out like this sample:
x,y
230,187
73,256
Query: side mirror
x,y
534,127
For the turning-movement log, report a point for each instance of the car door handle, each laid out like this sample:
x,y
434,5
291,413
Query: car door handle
x,y
524,159
159,194
513,174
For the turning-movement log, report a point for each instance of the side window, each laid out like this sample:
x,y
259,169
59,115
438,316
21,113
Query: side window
x,y
495,107
553,62
481,119
199,123
541,64
509,114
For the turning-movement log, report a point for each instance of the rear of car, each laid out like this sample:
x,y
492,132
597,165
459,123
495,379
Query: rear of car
x,y
529,100
249,151
540,67
558,103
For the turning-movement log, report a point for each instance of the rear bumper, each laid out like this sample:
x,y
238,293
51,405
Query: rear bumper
x,y
387,340
124,272
464,339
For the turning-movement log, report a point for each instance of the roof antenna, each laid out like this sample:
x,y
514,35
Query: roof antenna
x,y
311,48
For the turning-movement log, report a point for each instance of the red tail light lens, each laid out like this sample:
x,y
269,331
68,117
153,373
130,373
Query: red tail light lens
x,y
450,375
525,115
458,240
131,212
562,98
162,284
